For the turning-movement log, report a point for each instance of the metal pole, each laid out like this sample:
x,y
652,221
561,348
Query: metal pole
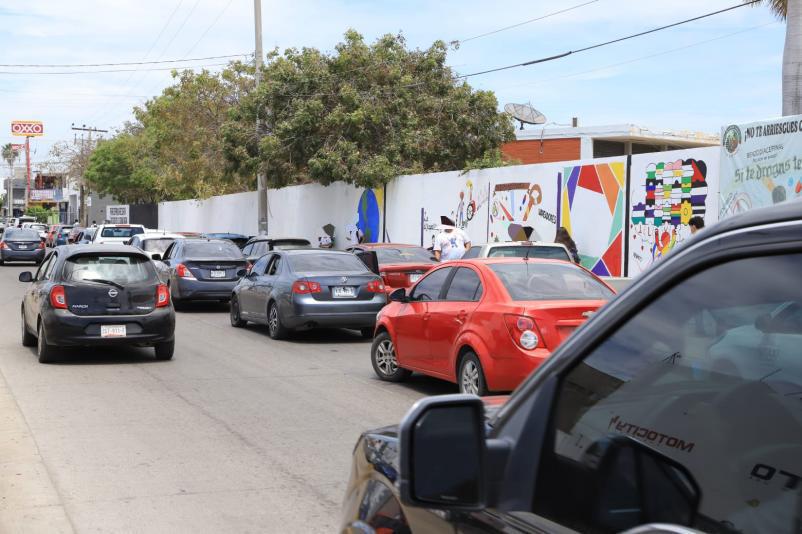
x,y
28,167
261,179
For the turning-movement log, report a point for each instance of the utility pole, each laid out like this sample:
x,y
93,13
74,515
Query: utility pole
x,y
261,179
83,216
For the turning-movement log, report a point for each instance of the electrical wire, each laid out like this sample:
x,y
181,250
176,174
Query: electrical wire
x,y
606,43
208,28
47,73
120,64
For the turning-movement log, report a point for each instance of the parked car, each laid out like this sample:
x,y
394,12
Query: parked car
x,y
21,244
203,269
237,239
85,236
154,244
519,249
75,231
116,233
39,227
90,295
258,246
300,289
399,265
484,324
58,234
677,404
16,222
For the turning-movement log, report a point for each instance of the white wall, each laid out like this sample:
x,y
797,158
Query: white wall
x,y
235,213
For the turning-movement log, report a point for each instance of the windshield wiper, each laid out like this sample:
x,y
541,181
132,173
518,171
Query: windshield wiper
x,y
107,282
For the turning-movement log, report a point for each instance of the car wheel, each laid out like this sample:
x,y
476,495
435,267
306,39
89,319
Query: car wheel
x,y
28,339
367,333
275,329
178,304
43,350
471,378
385,364
236,319
164,351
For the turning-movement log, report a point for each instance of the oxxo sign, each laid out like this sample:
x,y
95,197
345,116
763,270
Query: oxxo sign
x,y
27,128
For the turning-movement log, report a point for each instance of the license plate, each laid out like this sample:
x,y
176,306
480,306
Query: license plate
x,y
22,246
112,330
414,277
343,292
218,274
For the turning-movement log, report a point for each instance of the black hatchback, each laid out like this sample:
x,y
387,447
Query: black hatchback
x,y
86,295
21,244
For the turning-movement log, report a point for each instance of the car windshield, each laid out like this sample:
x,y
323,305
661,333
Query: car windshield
x,y
213,249
326,263
549,281
404,255
39,227
536,251
157,245
121,231
119,268
22,234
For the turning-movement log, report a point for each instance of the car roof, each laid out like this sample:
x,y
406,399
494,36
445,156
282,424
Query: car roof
x,y
790,210
156,235
297,251
191,240
73,250
387,245
522,244
509,259
260,238
224,235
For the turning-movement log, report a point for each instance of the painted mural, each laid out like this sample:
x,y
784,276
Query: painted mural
x,y
367,226
592,209
525,210
666,190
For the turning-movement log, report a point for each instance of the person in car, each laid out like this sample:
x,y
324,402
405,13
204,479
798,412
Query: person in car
x,y
564,238
451,243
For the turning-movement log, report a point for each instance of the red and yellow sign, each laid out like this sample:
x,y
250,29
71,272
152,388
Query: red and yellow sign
x,y
27,128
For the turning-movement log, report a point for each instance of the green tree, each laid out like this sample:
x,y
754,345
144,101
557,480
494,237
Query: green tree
x,y
362,115
123,167
791,12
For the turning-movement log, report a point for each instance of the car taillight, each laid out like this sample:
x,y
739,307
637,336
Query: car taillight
x,y
182,272
3,244
376,286
41,244
248,267
58,299
302,287
523,330
162,296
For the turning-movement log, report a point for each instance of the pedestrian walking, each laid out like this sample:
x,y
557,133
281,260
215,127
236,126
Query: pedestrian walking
x,y
696,223
564,238
451,243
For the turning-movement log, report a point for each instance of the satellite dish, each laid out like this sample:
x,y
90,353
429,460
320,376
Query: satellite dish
x,y
525,113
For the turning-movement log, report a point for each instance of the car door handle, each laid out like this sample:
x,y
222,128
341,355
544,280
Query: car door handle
x,y
461,316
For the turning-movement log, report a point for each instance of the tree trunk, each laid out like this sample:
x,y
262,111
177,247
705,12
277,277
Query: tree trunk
x,y
792,60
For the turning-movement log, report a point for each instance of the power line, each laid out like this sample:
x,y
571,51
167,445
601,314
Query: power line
x,y
120,64
505,28
208,28
606,43
48,73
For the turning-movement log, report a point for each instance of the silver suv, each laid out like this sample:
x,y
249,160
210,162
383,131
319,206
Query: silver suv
x,y
519,249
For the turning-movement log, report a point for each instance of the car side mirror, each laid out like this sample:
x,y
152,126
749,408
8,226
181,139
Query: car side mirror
x,y
633,484
156,257
25,276
399,295
444,454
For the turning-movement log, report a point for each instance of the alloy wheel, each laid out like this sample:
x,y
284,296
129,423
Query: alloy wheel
x,y
469,381
385,357
272,321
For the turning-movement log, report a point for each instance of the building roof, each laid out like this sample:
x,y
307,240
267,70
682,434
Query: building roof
x,y
622,133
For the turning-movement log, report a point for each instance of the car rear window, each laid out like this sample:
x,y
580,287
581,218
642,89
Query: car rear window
x,y
119,268
283,244
121,231
404,255
520,251
157,245
326,263
212,249
22,234
549,281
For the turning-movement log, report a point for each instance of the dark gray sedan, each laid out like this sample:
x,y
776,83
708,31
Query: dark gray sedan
x,y
301,289
21,244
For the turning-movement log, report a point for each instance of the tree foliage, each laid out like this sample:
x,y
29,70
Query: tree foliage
x,y
364,115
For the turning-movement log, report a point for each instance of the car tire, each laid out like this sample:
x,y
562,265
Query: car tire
x,y
2,262
164,351
383,358
367,333
471,378
43,350
236,319
28,339
179,305
275,329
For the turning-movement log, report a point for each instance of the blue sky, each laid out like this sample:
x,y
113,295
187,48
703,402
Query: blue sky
x,y
699,76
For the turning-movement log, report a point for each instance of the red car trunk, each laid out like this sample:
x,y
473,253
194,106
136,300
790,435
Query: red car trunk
x,y
397,275
557,319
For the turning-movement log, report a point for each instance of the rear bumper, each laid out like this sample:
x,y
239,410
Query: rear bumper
x,y
507,372
307,312
22,255
184,289
64,328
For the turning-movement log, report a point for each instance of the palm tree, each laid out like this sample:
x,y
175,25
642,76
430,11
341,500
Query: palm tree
x,y
791,12
10,156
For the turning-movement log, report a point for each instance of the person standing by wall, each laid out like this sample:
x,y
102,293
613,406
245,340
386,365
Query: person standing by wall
x,y
696,223
564,238
451,243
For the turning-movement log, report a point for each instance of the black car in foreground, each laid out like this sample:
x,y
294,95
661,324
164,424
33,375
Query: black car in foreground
x,y
203,269
21,244
85,295
679,403
301,289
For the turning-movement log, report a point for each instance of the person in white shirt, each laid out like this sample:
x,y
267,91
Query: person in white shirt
x,y
451,243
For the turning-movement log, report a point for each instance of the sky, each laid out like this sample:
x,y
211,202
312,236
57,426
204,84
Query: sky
x,y
698,76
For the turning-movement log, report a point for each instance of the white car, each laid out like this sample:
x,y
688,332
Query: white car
x,y
154,243
519,249
39,227
116,233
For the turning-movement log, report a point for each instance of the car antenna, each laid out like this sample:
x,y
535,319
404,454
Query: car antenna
x,y
528,250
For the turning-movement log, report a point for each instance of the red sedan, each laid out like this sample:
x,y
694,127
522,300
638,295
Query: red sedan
x,y
399,265
484,324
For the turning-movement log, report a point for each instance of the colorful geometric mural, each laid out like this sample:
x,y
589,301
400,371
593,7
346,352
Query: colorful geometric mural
x,y
592,209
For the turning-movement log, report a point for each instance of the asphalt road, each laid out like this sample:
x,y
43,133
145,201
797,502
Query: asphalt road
x,y
238,433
